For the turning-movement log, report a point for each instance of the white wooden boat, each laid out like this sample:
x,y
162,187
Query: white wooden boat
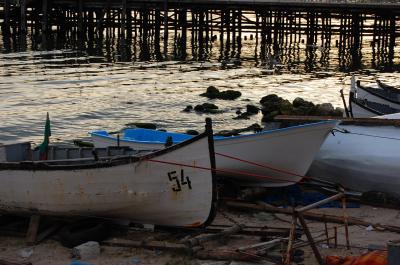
x,y
388,97
269,158
362,158
387,87
143,188
363,108
362,104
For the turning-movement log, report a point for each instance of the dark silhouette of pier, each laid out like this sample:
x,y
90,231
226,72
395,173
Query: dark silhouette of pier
x,y
276,27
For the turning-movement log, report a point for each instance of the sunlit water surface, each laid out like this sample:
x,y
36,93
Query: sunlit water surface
x,y
84,93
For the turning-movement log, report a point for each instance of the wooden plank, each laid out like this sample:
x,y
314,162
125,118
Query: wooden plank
x,y
321,202
225,255
10,262
33,228
205,238
310,215
343,120
310,238
160,245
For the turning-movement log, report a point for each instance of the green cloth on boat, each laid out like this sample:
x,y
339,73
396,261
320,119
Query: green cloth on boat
x,y
47,133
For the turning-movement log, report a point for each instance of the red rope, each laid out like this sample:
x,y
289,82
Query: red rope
x,y
264,166
223,171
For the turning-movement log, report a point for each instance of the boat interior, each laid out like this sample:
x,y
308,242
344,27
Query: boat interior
x,y
384,93
22,152
147,135
382,109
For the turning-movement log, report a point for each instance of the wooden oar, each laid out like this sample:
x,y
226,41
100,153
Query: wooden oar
x,y
343,120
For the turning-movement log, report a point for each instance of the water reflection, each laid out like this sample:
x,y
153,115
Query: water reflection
x,y
106,78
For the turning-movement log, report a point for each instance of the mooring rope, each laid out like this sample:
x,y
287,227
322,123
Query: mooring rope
x,y
243,173
237,172
263,165
364,134
277,170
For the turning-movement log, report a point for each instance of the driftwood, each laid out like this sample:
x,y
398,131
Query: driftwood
x,y
260,231
310,215
208,237
261,247
160,245
197,252
8,262
226,255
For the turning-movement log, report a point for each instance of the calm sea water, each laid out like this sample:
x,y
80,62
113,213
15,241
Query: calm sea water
x,y
93,89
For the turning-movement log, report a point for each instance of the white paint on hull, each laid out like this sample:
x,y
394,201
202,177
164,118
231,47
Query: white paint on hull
x,y
291,149
367,159
141,191
364,94
359,112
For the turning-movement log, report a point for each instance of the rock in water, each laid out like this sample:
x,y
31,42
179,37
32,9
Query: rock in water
x,y
88,250
188,108
207,108
252,109
212,93
144,125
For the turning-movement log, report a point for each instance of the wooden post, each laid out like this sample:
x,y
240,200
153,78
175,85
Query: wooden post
x,y
33,228
346,225
335,234
310,239
289,248
129,25
80,16
183,18
165,28
257,26
23,16
326,233
6,22
44,18
123,18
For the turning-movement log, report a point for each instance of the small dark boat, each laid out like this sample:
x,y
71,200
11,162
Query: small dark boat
x,y
363,108
385,96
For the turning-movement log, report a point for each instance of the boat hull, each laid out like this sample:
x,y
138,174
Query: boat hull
x,y
364,160
290,150
142,191
361,111
363,93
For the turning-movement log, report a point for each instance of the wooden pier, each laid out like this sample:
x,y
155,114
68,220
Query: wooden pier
x,y
201,22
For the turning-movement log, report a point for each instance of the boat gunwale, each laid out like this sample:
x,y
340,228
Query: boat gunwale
x,y
372,91
354,100
103,162
218,139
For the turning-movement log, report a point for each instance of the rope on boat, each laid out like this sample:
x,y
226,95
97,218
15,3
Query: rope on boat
x,y
223,171
277,169
243,173
364,134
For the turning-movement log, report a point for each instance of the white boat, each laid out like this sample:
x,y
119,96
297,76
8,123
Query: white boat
x,y
363,108
363,104
380,95
361,158
269,158
171,187
387,87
